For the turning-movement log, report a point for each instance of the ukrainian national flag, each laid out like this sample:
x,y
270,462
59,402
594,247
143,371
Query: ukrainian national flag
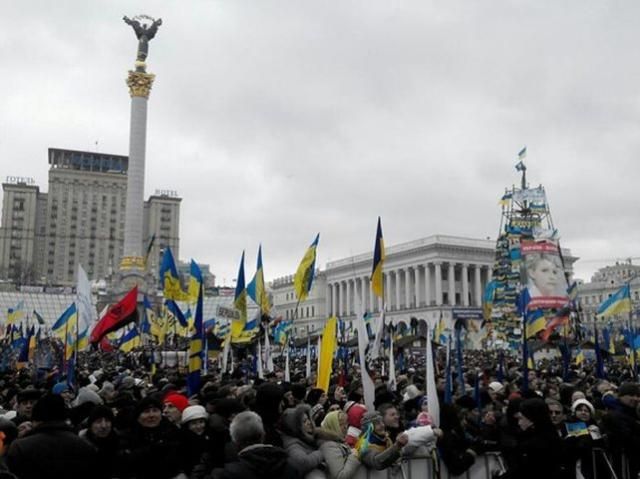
x,y
130,340
195,281
15,314
169,278
196,348
327,350
618,303
439,332
487,300
256,289
240,303
83,340
377,280
303,279
579,357
148,317
534,323
66,323
177,313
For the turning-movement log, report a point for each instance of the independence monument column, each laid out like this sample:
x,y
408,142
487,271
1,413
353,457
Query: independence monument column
x,y
132,267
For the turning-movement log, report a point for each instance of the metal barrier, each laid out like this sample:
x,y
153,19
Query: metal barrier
x,y
424,467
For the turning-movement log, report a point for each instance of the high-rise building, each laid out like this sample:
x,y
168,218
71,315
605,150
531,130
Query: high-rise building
x,y
18,256
79,221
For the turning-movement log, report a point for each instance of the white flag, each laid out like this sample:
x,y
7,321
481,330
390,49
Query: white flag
x,y
287,372
377,342
308,355
87,315
259,363
368,388
225,354
392,366
268,360
432,392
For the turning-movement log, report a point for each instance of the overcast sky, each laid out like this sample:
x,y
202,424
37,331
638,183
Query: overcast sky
x,y
275,120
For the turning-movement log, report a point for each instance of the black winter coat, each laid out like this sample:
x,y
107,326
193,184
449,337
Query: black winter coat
x,y
51,449
258,462
151,453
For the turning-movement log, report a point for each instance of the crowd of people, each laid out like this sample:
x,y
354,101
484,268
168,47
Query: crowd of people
x,y
119,421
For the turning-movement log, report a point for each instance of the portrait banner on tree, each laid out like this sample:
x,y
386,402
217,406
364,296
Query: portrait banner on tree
x,y
543,275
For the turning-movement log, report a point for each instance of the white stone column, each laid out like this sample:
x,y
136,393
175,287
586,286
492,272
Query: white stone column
x,y
416,285
452,284
327,301
438,281
477,284
388,296
341,299
334,297
427,284
465,285
397,275
349,296
407,288
370,295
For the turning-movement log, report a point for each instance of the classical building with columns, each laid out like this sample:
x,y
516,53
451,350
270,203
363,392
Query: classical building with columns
x,y
426,279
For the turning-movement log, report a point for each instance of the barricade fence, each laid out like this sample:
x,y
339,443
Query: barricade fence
x,y
608,466
486,466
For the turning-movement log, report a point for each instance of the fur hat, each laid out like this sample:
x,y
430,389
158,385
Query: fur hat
x,y
49,408
193,413
582,402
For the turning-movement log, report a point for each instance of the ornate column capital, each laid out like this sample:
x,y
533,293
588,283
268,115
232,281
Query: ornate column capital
x,y
140,83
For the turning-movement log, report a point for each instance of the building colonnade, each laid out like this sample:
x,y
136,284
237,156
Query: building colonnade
x,y
410,287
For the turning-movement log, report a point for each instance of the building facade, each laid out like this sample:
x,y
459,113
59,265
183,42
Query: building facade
x,y
604,283
79,221
427,279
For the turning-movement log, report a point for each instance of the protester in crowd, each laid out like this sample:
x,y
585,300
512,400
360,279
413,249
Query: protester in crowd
x,y
375,448
583,436
354,411
299,440
26,399
557,415
622,427
52,448
539,448
255,459
150,447
341,461
8,434
195,439
172,406
391,419
102,436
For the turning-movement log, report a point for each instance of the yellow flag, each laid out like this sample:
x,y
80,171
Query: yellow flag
x,y
325,361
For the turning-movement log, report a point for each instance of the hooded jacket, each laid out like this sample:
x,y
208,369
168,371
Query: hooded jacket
x,y
302,448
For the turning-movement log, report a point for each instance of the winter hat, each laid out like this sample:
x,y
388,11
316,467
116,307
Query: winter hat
x,y
100,412
582,402
178,400
314,395
355,411
49,408
148,402
317,412
629,389
107,388
86,395
298,391
496,387
127,383
411,392
370,418
192,413
59,388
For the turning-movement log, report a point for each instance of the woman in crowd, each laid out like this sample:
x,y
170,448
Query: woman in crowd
x,y
341,461
375,448
299,440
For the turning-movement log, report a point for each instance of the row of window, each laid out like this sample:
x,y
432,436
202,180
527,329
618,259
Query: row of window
x,y
305,312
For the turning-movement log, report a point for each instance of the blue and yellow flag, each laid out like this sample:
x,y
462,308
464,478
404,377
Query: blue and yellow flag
x,y
15,314
327,350
256,289
303,279
281,332
535,322
196,349
377,281
66,323
240,303
487,299
147,317
439,332
195,281
618,303
130,340
170,279
579,357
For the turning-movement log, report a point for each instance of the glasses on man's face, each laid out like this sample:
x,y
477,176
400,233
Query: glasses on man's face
x,y
555,413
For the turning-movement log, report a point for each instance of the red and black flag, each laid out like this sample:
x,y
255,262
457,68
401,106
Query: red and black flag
x,y
118,315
